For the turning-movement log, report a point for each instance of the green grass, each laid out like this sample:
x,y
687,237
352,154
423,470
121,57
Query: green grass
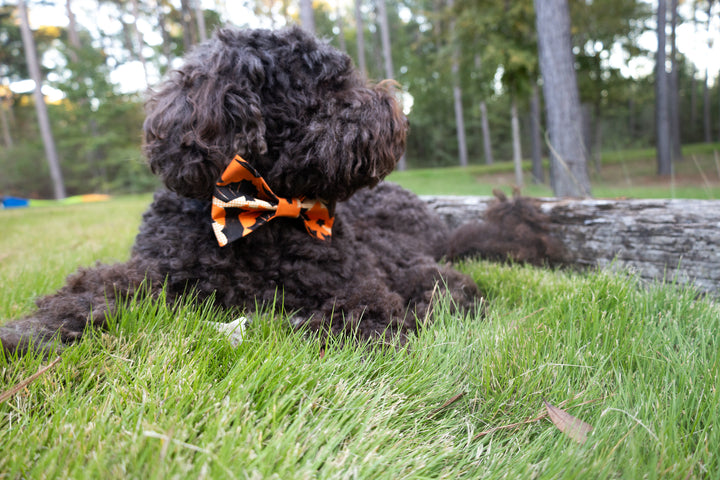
x,y
625,173
39,247
162,395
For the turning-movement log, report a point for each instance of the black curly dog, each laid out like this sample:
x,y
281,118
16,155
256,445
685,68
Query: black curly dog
x,y
297,111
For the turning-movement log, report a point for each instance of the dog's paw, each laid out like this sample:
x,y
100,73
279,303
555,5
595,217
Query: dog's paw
x,y
234,331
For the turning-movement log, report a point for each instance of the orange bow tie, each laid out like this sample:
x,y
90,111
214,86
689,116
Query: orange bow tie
x,y
243,202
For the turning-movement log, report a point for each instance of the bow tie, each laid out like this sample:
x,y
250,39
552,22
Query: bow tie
x,y
243,202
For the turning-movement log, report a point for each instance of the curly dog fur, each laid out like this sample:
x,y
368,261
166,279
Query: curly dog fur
x,y
297,110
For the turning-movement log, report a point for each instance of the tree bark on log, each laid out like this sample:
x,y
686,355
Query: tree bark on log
x,y
673,240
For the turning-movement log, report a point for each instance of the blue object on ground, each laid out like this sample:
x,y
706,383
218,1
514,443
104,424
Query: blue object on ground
x,y
15,202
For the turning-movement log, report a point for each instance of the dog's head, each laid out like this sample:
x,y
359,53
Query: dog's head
x,y
292,106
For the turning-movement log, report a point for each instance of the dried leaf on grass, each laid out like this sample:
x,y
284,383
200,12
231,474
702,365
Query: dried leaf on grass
x,y
571,426
532,420
9,393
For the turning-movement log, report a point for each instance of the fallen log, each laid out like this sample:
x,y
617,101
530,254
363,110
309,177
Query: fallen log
x,y
677,240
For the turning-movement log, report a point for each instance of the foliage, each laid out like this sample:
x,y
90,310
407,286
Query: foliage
x,y
97,132
98,128
162,394
12,61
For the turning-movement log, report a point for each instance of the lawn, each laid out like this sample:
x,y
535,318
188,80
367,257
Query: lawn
x,y
162,395
626,173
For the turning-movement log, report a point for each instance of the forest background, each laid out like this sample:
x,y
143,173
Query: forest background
x,y
468,68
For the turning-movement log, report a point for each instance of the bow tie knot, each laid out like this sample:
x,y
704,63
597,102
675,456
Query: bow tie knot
x,y
243,202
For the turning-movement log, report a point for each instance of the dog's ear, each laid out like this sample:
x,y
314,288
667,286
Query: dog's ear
x,y
373,137
204,114
353,141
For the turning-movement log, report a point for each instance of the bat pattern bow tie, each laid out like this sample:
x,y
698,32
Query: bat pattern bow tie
x,y
243,202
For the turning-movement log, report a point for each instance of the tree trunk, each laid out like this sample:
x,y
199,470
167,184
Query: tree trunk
x,y
674,240
707,120
535,136
189,35
200,18
341,28
598,138
485,125
562,99
73,37
387,54
307,17
631,117
459,120
517,150
4,121
385,38
40,106
693,72
457,94
376,46
162,25
693,95
360,27
140,41
662,103
586,111
674,93
90,128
